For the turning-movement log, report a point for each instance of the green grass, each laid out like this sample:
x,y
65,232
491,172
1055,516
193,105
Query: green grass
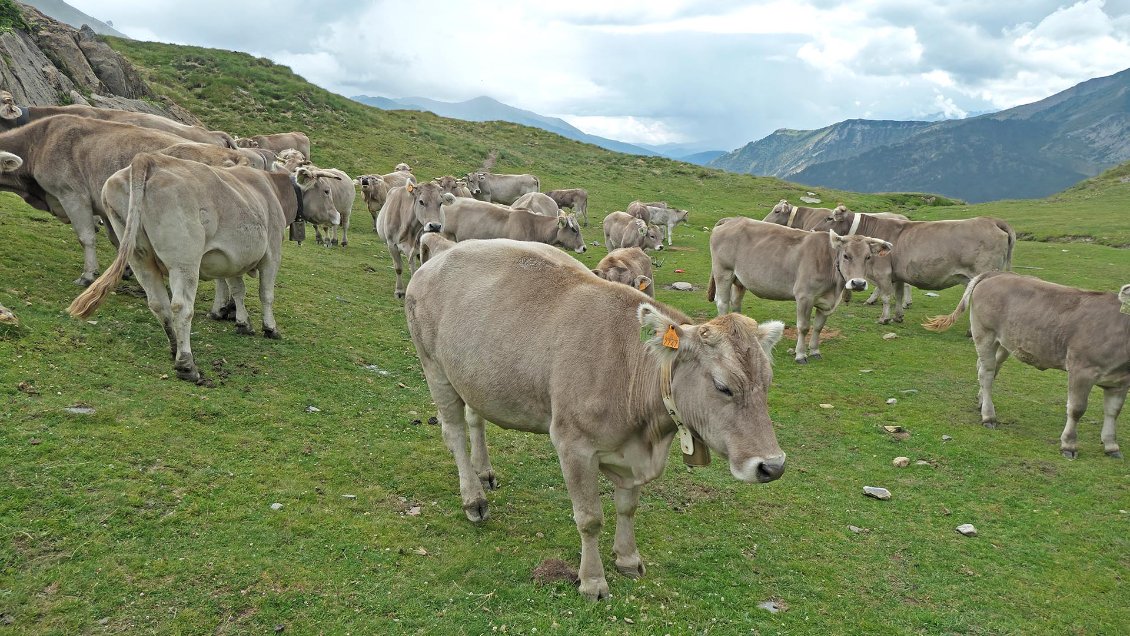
x,y
152,515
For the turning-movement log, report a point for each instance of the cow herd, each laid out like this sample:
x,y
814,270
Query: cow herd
x,y
502,320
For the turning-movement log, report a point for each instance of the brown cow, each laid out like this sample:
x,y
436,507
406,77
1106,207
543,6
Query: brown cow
x,y
501,188
1049,326
576,199
780,263
796,216
624,230
524,336
465,219
405,213
208,154
278,142
659,214
456,187
630,266
340,188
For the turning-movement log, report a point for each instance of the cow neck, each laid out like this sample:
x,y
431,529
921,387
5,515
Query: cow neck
x,y
855,223
298,216
792,215
695,452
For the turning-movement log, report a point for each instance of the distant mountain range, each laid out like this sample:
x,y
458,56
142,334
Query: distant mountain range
x,y
488,109
1029,151
67,14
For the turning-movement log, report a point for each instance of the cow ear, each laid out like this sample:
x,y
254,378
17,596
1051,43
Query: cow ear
x,y
303,176
600,273
9,162
768,334
661,334
642,282
410,187
881,248
642,227
437,179
562,221
836,240
447,199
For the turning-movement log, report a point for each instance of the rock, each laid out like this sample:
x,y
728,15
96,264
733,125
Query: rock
x,y
876,492
682,286
80,409
349,496
416,422
773,606
893,429
901,462
891,401
857,529
932,294
967,529
433,420
313,409
922,462
909,391
7,317
810,200
35,441
827,406
946,438
276,506
890,335
279,628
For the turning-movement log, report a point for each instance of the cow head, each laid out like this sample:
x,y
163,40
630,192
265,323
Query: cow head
x,y
569,233
650,238
720,374
861,258
426,201
479,185
244,142
780,213
317,199
403,167
8,108
450,184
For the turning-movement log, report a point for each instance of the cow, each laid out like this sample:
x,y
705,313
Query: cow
x,y
465,219
375,188
289,160
505,332
630,266
501,188
193,222
65,161
340,188
667,217
780,263
432,244
796,216
405,213
624,230
277,142
457,187
403,167
260,158
209,154
576,199
537,203
932,254
1050,326
12,116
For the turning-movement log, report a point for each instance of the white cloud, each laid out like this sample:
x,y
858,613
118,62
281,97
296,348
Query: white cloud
x,y
626,128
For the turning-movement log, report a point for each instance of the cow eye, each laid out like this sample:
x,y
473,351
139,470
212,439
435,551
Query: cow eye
x,y
723,389
847,257
867,258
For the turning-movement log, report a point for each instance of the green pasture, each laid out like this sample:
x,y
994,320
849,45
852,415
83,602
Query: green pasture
x,y
153,513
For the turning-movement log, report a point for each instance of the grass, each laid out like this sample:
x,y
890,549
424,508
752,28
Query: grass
x,y
152,515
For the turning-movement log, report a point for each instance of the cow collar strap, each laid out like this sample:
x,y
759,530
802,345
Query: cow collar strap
x,y
298,195
792,215
855,223
695,452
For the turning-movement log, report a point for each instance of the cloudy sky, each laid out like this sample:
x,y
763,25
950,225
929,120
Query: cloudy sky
x,y
711,73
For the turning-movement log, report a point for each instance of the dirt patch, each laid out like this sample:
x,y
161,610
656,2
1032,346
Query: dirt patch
x,y
554,570
676,248
825,334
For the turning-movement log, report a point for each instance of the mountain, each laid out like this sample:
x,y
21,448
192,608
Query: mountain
x,y
1029,151
67,14
702,158
487,109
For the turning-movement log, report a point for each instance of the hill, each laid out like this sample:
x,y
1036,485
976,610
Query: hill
x,y
1029,151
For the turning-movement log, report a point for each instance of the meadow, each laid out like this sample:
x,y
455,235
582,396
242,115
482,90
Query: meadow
x,y
153,513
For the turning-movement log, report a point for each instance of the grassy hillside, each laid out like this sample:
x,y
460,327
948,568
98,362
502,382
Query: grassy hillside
x,y
153,513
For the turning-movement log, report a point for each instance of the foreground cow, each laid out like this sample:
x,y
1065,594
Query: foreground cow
x,y
627,265
780,263
610,404
932,254
501,188
1049,326
576,199
624,230
465,219
278,142
193,222
405,213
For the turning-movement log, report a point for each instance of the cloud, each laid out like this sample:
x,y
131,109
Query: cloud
x,y
627,128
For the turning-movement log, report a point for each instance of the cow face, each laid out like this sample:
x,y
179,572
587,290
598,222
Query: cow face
x,y
243,142
780,213
426,201
317,199
479,185
569,234
650,237
449,184
861,258
720,376
839,220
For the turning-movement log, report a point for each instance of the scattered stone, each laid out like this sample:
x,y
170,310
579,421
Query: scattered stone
x,y
349,496
164,376
27,387
279,628
554,570
773,605
946,438
596,243
540,535
414,511
892,401
967,529
35,441
104,621
80,409
909,391
893,429
866,370
8,318
421,551
858,530
276,506
932,294
922,462
7,619
416,422
810,200
682,286
876,492
375,369
827,406
433,420
890,335
92,322
901,462
313,409
402,385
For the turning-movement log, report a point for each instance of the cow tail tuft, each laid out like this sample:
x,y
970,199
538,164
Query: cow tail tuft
x,y
944,322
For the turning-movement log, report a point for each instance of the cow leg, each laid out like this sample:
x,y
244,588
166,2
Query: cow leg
x,y
222,304
398,266
77,210
628,560
1113,399
907,300
239,295
344,231
183,281
803,309
579,466
817,326
268,273
886,317
723,290
480,459
1078,390
873,298
452,414
157,297
990,356
670,231
901,293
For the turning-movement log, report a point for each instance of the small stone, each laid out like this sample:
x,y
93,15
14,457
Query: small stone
x,y
104,621
349,496
827,406
893,429
866,370
164,376
402,385
909,391
279,628
433,420
946,438
28,388
773,606
629,621
922,462
682,286
7,619
857,529
421,551
901,462
92,322
313,409
876,492
967,529
890,335
80,409
276,506
540,535
932,294
892,401
414,511
35,441
413,413
416,422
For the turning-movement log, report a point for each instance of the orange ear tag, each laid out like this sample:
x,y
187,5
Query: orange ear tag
x,y
671,338
643,285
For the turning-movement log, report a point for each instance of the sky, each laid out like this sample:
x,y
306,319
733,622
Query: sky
x,y
708,73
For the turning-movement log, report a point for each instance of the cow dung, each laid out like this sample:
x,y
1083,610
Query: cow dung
x,y
553,570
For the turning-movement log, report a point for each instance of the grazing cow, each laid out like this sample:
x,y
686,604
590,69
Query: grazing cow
x,y
465,219
12,116
624,230
932,254
780,263
278,142
630,266
456,187
576,199
340,188
505,332
192,222
537,203
1050,326
405,213
501,188
209,154
403,167
432,244
65,161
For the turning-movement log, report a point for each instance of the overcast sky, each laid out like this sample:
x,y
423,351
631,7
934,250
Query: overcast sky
x,y
714,73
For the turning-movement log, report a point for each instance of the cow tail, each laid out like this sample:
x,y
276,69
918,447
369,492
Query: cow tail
x,y
711,289
88,301
1011,244
941,323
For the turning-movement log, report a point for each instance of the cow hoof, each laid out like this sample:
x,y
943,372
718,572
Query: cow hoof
x,y
989,424
272,334
884,321
128,274
191,375
215,316
594,590
898,319
1114,454
84,281
1069,454
489,481
815,356
632,568
802,360
869,302
244,329
344,243
399,295
477,511
334,242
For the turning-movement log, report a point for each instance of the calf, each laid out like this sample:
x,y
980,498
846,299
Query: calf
x,y
658,213
465,219
524,336
576,199
624,230
630,266
1050,326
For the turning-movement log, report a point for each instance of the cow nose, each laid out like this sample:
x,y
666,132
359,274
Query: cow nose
x,y
581,249
660,247
771,469
858,284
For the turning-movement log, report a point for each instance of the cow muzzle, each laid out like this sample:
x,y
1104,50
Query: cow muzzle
x,y
857,284
581,249
760,469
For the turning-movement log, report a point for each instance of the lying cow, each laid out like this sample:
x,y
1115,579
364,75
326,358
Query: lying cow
x,y
576,199
780,263
1050,326
278,142
659,214
932,254
537,203
501,188
405,213
465,219
630,266
708,381
624,230
192,222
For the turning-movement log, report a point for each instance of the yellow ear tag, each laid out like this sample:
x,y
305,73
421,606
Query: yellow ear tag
x,y
643,286
671,338
1125,308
